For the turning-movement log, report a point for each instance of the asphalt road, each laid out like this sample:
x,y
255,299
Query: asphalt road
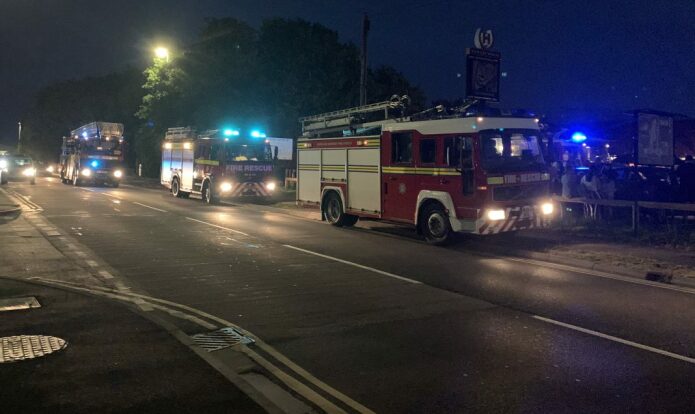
x,y
397,325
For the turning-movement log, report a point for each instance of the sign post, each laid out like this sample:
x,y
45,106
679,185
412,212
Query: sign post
x,y
654,139
483,68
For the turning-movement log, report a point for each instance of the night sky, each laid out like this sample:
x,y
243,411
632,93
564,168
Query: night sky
x,y
619,55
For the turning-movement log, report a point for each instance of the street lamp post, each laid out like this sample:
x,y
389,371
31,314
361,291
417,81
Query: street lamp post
x,y
19,136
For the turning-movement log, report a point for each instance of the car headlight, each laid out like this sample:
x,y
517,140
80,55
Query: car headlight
x,y
49,169
495,215
86,172
29,172
3,163
226,187
270,186
118,173
547,208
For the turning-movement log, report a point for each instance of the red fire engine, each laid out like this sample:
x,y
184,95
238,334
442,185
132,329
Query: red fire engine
x,y
218,163
457,173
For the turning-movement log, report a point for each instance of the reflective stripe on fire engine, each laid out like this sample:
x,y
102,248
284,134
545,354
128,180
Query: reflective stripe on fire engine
x,y
202,161
495,180
253,189
420,170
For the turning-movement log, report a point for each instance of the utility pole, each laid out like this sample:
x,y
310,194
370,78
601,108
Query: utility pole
x,y
363,61
19,136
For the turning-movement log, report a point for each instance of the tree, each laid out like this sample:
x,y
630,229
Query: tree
x,y
64,106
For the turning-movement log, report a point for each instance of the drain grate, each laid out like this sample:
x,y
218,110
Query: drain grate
x,y
18,348
220,339
11,304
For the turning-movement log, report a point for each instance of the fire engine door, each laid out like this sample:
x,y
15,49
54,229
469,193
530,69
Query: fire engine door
x,y
399,181
187,169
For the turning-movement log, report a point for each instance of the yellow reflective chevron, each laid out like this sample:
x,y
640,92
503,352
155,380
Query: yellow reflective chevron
x,y
420,170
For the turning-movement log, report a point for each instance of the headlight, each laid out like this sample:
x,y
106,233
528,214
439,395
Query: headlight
x,y
270,186
547,208
29,172
49,169
3,163
118,173
86,172
225,187
495,215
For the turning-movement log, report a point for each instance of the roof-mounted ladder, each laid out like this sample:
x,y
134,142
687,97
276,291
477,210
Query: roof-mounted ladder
x,y
351,116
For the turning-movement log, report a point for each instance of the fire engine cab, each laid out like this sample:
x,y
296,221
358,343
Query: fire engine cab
x,y
444,173
217,163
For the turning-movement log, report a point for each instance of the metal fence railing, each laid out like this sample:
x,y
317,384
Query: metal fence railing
x,y
590,208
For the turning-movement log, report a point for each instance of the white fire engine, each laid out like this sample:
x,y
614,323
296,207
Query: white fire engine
x,y
456,173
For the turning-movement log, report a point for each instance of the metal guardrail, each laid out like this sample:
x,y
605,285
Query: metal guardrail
x,y
635,206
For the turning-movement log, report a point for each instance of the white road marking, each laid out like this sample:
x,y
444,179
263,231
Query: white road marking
x,y
81,254
371,269
92,263
616,339
153,208
105,274
219,227
600,274
307,376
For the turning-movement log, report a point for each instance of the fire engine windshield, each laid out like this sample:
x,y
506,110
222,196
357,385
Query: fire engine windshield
x,y
511,150
110,146
248,152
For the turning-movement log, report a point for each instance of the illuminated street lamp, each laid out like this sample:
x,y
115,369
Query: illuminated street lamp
x,y
162,53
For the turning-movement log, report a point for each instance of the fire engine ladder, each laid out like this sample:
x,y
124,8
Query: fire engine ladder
x,y
176,134
336,120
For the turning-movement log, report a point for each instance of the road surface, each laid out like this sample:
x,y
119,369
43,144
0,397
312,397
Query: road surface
x,y
392,323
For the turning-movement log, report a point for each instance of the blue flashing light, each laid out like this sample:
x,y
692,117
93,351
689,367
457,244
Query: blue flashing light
x,y
94,164
257,134
230,132
578,137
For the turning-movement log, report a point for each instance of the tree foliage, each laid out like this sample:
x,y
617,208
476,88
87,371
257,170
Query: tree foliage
x,y
232,75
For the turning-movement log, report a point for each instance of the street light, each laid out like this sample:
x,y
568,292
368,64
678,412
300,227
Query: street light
x,y
162,53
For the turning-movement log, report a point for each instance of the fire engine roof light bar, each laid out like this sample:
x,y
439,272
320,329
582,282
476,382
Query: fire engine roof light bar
x,y
229,132
258,134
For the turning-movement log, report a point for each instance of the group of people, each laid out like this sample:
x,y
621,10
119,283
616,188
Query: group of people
x,y
600,181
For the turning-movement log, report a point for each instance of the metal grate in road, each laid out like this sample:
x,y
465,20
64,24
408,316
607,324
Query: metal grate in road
x,y
18,348
220,339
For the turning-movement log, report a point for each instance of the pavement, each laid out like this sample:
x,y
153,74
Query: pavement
x,y
375,321
115,361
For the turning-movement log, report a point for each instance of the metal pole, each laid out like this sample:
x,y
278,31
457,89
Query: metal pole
x,y
363,61
19,137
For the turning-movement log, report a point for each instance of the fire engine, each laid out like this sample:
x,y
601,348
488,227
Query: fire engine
x,y
442,172
218,163
93,153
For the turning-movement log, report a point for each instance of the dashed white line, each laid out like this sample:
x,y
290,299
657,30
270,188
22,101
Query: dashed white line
x,y
371,269
616,339
105,274
92,263
81,254
150,207
219,227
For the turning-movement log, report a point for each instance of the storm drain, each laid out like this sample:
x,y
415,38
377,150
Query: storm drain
x,y
18,348
11,304
220,339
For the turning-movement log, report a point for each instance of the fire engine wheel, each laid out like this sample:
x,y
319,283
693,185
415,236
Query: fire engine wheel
x,y
435,225
208,195
175,189
115,184
76,180
333,211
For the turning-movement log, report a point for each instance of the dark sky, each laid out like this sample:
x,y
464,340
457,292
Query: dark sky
x,y
557,54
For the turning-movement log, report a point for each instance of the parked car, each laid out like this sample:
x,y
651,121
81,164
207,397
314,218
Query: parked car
x,y
17,167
